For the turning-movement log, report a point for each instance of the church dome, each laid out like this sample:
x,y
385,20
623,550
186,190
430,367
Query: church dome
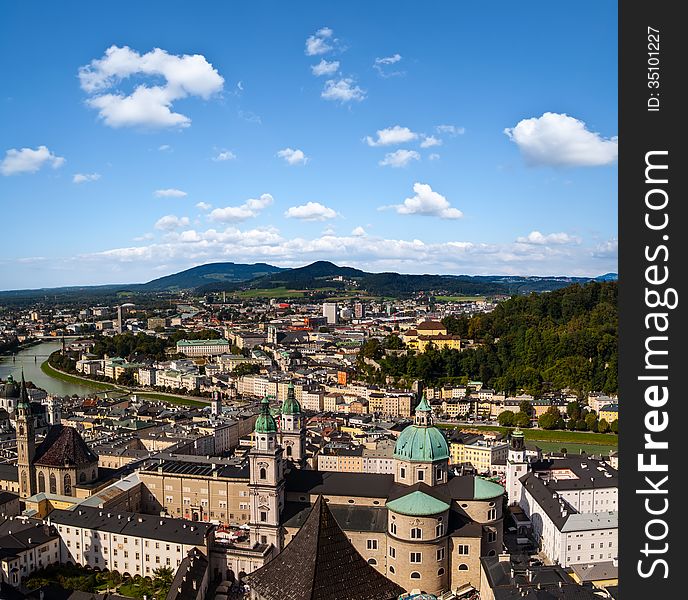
x,y
421,444
291,405
265,423
9,389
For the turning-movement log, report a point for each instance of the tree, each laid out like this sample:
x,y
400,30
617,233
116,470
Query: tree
x,y
591,421
127,377
525,407
162,580
603,426
522,419
245,369
573,410
506,418
550,418
614,426
581,425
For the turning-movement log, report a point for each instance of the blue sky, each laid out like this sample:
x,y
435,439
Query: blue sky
x,y
438,137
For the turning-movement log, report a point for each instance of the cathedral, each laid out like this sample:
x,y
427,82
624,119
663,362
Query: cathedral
x,y
422,527
58,464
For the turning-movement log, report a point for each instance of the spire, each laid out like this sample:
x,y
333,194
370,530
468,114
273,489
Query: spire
x,y
265,423
24,401
423,413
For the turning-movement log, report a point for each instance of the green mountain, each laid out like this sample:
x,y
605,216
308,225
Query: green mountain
x,y
212,273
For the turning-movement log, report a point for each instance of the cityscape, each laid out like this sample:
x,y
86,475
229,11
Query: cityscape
x,y
286,312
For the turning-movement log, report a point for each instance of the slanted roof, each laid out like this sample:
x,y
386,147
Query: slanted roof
x,y
64,446
321,564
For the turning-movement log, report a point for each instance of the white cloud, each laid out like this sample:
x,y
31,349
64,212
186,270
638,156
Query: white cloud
x,y
147,106
342,90
381,65
250,208
165,148
225,155
311,211
171,222
433,156
28,160
537,238
203,206
293,157
321,42
399,158
391,135
429,203
429,141
169,193
325,68
559,140
451,130
608,249
359,232
84,177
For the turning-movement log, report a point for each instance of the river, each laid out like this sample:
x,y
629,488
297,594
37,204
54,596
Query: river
x,y
30,360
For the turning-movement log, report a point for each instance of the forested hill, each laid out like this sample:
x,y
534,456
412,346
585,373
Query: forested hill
x,y
565,338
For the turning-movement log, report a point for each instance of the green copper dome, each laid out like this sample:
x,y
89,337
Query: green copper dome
x,y
484,489
421,444
417,504
291,405
265,423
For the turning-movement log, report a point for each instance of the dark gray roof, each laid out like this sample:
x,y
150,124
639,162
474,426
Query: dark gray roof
x,y
331,483
590,472
187,580
321,564
180,467
349,517
17,540
164,529
9,472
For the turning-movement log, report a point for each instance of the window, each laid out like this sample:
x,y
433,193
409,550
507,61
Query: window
x,y
491,536
67,485
415,575
391,569
416,533
492,514
439,530
53,483
41,482
463,549
372,561
393,528
440,554
263,516
263,473
463,567
415,557
440,572
402,472
421,475
392,552
439,473
371,544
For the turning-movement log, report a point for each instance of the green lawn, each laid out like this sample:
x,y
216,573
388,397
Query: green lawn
x,y
542,435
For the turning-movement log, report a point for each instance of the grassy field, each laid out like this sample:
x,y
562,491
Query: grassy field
x,y
280,292
551,436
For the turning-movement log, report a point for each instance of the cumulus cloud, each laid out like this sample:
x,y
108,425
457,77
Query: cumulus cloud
x,y
391,135
537,238
428,203
325,67
293,156
382,66
429,141
608,249
399,158
169,193
251,208
311,211
343,90
433,156
171,222
358,232
561,141
203,206
147,106
84,177
28,160
321,42
451,130
225,155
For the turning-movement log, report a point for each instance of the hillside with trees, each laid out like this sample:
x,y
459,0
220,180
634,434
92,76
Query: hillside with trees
x,y
566,338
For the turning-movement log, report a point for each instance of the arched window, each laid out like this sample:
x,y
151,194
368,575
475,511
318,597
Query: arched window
x,y
53,483
491,553
393,528
67,485
463,567
492,514
440,572
82,477
416,533
263,473
439,530
415,575
372,561
24,487
41,482
391,569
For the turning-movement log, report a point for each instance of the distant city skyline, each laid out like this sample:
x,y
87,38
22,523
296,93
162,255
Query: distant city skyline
x,y
142,140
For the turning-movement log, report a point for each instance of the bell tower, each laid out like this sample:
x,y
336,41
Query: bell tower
x,y
266,481
26,444
516,466
292,430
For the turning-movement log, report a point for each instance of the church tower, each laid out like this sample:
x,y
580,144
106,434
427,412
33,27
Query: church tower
x,y
266,481
26,444
292,430
516,466
54,411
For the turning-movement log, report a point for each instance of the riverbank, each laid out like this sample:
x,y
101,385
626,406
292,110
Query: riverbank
x,y
51,371
552,436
